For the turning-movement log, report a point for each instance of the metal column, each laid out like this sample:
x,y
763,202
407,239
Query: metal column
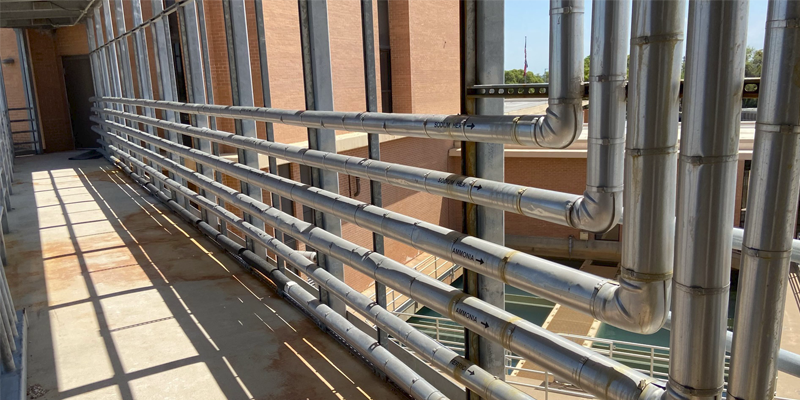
x,y
143,69
212,121
195,79
482,55
373,139
709,150
771,211
165,68
242,90
264,69
319,96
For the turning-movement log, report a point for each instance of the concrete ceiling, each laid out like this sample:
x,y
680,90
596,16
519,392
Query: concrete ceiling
x,y
41,13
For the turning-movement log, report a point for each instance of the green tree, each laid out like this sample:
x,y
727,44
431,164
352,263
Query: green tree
x,y
586,62
514,76
752,68
752,62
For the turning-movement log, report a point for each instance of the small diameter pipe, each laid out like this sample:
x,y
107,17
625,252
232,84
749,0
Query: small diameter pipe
x,y
772,211
378,355
602,298
545,205
592,372
536,203
461,369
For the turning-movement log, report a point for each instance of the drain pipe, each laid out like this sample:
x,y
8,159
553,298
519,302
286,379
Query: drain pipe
x,y
464,371
771,219
707,192
594,373
379,356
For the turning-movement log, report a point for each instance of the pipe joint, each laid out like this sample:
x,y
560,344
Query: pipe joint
x,y
637,306
561,126
597,211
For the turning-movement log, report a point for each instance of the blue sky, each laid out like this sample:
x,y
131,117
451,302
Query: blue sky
x,y
531,18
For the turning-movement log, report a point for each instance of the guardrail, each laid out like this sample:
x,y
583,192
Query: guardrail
x,y
651,360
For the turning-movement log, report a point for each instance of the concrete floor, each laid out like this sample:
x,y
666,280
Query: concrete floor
x,y
126,301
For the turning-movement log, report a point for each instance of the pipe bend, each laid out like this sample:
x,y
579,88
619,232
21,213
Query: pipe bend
x,y
634,305
596,211
561,126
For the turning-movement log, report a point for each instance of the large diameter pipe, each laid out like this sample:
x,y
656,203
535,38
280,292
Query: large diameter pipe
x,y
772,211
706,197
642,297
599,297
378,355
564,119
601,205
594,373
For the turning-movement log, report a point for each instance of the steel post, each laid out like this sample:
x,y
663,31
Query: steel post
x,y
319,96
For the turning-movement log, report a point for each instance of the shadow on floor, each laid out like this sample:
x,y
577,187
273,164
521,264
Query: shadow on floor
x,y
127,301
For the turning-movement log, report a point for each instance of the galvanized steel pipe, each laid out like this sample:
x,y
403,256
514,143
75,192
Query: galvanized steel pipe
x,y
576,289
461,369
771,212
396,370
582,366
709,155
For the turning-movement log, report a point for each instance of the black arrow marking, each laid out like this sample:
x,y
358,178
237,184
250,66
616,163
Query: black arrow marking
x,y
479,187
471,372
480,260
485,324
472,125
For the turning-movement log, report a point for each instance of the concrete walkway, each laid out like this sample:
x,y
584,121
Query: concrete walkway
x,y
126,301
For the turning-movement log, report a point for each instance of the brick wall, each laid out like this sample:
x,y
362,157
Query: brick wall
x,y
51,94
12,75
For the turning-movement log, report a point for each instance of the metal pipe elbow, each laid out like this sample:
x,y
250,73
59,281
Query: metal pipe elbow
x,y
596,211
561,126
634,305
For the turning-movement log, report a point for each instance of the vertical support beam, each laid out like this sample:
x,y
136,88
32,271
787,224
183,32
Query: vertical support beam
x,y
373,140
319,96
193,71
212,121
242,90
482,58
126,74
771,211
143,73
165,67
102,57
264,69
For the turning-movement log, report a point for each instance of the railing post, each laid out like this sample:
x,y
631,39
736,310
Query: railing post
x,y
319,96
482,63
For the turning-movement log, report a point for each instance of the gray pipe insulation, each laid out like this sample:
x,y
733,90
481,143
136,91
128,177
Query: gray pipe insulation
x,y
596,374
461,369
789,363
590,294
396,370
546,205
